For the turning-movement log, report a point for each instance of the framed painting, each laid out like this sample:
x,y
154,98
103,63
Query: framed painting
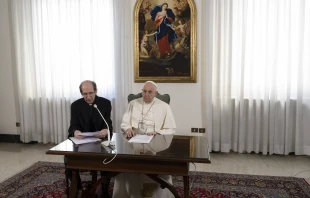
x,y
165,41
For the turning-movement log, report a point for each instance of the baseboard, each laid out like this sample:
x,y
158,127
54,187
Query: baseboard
x,y
10,138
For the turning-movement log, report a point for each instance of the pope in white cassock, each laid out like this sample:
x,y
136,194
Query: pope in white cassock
x,y
146,115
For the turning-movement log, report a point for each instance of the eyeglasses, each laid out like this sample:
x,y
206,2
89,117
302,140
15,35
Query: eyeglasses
x,y
88,94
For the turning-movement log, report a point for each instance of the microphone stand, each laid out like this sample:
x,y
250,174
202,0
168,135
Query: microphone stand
x,y
108,142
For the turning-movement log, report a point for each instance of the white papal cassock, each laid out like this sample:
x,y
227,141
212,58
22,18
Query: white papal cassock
x,y
159,114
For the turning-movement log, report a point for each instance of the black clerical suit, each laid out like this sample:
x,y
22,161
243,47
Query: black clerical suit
x,y
85,118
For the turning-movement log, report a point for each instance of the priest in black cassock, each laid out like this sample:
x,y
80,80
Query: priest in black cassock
x,y
85,118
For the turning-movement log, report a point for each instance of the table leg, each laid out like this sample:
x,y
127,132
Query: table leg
x,y
93,177
186,186
74,182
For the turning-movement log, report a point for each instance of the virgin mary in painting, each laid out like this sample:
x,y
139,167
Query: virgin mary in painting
x,y
164,33
165,40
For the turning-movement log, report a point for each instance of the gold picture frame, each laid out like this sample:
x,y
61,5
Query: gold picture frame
x,y
165,41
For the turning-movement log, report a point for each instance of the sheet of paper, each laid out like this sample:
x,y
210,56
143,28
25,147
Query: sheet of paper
x,y
84,140
89,134
141,139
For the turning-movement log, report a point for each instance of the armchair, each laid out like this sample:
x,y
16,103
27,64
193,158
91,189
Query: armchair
x,y
163,97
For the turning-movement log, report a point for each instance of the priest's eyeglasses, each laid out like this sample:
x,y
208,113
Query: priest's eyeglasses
x,y
88,94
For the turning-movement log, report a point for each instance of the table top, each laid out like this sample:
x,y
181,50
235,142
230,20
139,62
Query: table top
x,y
161,147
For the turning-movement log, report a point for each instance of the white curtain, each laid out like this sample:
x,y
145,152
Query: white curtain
x,y
123,56
257,76
59,44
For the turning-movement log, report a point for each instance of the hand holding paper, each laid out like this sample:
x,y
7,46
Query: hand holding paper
x,y
101,134
89,134
77,134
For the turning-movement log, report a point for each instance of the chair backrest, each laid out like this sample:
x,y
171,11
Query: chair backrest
x,y
163,97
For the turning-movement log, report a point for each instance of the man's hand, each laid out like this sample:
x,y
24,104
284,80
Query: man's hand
x,y
151,133
77,134
102,134
130,133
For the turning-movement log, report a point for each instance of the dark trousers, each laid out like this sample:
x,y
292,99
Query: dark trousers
x,y
105,187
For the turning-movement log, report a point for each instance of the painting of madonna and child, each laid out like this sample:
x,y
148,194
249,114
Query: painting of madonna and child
x,y
165,40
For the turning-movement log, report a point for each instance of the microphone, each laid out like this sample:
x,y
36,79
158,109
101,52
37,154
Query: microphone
x,y
108,142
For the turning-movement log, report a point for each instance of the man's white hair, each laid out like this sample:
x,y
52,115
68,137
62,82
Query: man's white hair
x,y
152,82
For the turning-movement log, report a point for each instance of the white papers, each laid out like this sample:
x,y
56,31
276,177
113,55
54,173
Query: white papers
x,y
89,134
141,139
84,140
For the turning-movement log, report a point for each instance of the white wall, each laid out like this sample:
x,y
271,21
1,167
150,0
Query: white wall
x,y
186,98
7,97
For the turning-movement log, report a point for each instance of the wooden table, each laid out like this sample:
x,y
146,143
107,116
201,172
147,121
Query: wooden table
x,y
164,155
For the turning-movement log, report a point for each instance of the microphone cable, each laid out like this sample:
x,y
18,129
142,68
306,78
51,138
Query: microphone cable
x,y
105,160
109,138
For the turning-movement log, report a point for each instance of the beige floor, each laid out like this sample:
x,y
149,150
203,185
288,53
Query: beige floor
x,y
17,157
